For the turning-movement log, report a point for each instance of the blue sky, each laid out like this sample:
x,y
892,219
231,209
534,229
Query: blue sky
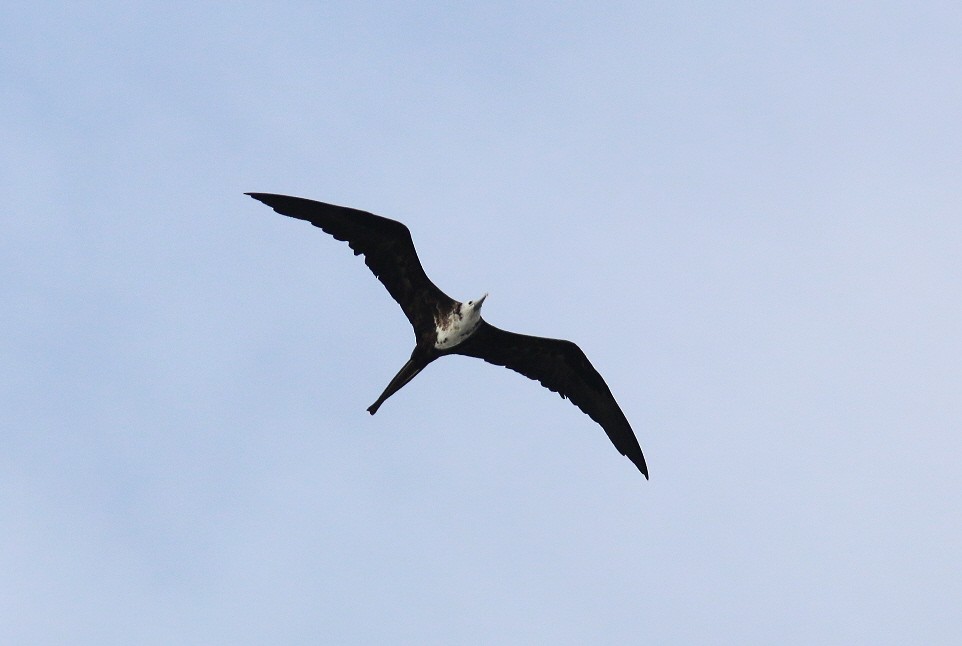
x,y
747,215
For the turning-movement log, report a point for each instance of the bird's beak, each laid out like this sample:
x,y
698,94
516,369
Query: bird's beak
x,y
480,300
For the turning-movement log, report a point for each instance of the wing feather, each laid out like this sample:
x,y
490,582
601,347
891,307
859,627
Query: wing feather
x,y
562,367
387,249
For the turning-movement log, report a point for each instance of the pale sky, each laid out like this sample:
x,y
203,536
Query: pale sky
x,y
748,215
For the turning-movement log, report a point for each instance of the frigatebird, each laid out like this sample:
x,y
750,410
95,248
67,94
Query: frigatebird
x,y
445,326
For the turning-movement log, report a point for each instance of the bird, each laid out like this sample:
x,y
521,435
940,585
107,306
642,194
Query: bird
x,y
444,326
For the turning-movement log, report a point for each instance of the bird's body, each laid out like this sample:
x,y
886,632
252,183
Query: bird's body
x,y
458,325
444,326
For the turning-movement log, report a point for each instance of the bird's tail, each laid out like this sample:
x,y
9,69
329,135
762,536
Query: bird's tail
x,y
407,372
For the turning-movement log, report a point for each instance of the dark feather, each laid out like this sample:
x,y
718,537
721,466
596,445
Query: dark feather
x,y
387,249
562,367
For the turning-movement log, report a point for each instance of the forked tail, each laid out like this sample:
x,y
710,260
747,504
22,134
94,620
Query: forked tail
x,y
407,372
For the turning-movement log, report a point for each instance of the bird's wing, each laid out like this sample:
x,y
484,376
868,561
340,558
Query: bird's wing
x,y
387,248
562,367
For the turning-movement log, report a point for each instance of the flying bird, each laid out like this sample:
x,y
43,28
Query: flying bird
x,y
444,326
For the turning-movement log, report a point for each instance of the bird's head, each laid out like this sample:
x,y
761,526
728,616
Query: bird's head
x,y
475,305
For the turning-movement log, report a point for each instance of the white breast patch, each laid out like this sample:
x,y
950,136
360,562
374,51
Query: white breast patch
x,y
455,329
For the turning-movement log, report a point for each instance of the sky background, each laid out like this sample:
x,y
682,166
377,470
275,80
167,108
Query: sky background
x,y
749,216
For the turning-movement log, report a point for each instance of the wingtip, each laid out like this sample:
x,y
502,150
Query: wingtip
x,y
642,466
263,198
